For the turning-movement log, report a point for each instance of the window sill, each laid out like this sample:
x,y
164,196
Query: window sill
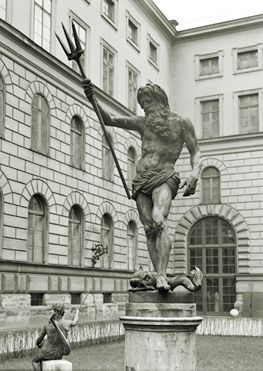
x,y
153,64
110,21
132,43
245,70
212,76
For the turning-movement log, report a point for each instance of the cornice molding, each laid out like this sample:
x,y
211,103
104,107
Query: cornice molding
x,y
221,27
155,13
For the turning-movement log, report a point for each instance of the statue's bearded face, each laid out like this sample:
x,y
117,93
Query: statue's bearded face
x,y
150,96
147,102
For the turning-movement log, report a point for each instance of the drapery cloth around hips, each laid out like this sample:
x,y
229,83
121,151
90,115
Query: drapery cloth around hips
x,y
145,183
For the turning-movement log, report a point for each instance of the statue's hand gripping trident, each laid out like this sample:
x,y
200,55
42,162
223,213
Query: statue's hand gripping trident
x,y
75,53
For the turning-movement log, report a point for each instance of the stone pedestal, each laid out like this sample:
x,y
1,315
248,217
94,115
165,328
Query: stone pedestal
x,y
160,332
57,365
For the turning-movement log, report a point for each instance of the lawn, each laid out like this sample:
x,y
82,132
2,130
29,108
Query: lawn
x,y
214,353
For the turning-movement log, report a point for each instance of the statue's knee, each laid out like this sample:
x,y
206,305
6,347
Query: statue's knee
x,y
150,231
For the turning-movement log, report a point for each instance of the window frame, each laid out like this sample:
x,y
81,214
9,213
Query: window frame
x,y
197,61
81,146
81,223
36,143
132,252
44,223
130,18
198,115
150,41
237,51
130,67
236,96
107,262
106,148
211,187
220,245
110,49
112,22
34,26
74,18
5,11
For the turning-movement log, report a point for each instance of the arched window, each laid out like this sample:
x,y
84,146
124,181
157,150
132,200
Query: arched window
x,y
210,186
212,248
77,142
76,235
131,165
107,240
40,124
37,229
2,105
107,159
131,244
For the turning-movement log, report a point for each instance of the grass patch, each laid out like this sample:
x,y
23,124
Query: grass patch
x,y
214,353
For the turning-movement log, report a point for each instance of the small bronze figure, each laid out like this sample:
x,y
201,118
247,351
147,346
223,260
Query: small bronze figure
x,y
56,331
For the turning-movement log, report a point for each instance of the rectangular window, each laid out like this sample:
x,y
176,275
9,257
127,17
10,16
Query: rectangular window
x,y
108,71
42,23
3,9
37,299
209,66
153,52
75,298
109,9
107,297
248,114
247,59
210,118
82,32
132,89
132,32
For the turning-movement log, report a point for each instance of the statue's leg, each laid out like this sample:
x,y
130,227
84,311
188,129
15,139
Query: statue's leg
x,y
162,198
145,206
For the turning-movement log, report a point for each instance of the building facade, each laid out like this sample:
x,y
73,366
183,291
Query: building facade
x,y
61,195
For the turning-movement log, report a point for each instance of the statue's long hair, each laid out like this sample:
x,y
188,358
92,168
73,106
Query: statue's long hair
x,y
157,117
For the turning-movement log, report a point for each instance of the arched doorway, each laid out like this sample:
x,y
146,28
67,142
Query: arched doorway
x,y
212,247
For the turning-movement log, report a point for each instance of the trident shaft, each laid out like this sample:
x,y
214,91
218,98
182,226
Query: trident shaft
x,y
75,53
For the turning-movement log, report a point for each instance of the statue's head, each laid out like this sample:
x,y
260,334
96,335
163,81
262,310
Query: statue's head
x,y
153,93
58,309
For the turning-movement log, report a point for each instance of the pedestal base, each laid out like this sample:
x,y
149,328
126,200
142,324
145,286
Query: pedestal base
x,y
57,365
160,336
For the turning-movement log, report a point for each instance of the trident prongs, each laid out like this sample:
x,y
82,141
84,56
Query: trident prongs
x,y
63,46
76,38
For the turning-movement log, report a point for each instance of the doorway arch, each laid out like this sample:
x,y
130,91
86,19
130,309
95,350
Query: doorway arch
x,y
212,247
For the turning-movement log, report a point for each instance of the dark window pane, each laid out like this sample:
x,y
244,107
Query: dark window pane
x,y
212,260
196,258
211,231
212,295
229,293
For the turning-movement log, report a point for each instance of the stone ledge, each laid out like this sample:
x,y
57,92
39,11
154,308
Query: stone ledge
x,y
57,365
160,324
161,297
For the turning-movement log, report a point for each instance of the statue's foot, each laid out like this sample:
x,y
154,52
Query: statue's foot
x,y
161,284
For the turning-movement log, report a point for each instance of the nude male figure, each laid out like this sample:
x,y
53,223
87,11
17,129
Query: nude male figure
x,y
163,135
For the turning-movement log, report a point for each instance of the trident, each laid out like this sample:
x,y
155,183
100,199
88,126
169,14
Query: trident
x,y
74,54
